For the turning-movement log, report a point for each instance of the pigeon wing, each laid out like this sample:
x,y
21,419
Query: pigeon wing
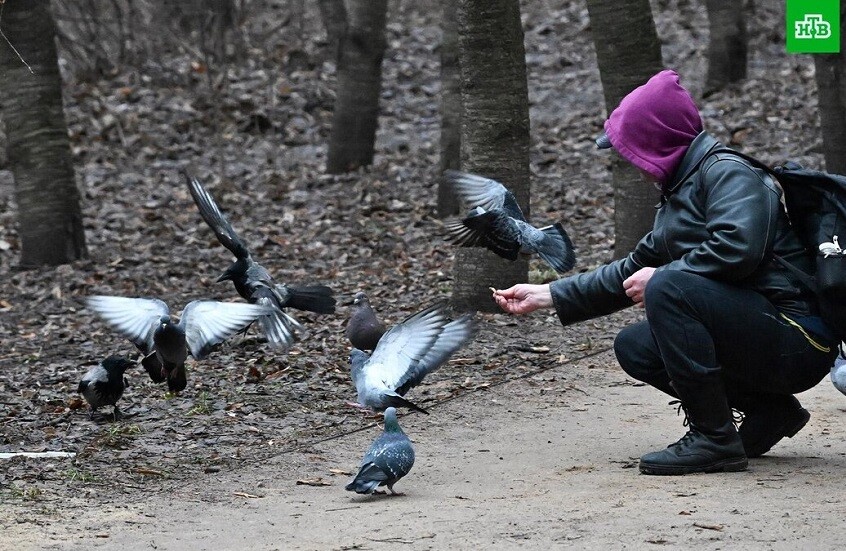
x,y
478,191
495,231
405,344
207,323
454,335
215,219
134,318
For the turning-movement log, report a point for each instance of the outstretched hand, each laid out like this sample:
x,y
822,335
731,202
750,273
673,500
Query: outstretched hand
x,y
523,298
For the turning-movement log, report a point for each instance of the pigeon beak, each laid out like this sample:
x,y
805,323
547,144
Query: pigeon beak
x,y
225,276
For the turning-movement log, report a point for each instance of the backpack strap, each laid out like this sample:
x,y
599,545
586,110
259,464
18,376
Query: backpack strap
x,y
807,280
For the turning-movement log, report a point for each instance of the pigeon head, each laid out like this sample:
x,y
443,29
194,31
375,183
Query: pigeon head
x,y
164,321
237,269
117,364
391,423
360,299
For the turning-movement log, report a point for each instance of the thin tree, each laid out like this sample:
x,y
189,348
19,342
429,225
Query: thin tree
x,y
448,204
494,132
49,217
356,114
628,53
727,48
831,89
333,13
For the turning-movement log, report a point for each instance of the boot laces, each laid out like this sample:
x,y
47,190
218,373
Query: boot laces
x,y
737,418
679,410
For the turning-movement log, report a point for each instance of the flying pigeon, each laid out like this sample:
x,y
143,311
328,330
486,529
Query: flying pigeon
x,y
103,384
254,283
389,458
496,222
166,344
838,374
406,354
363,328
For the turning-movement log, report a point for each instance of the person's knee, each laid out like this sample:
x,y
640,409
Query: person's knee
x,y
665,287
626,344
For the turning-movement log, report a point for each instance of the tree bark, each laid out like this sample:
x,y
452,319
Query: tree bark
x,y
448,203
727,51
356,115
50,220
334,17
628,53
494,132
831,89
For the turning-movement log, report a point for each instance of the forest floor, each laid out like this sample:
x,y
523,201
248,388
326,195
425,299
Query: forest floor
x,y
534,432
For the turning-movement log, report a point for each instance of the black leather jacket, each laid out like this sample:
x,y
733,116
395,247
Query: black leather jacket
x,y
719,218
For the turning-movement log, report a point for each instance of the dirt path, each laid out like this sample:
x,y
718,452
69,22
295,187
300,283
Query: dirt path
x,y
548,461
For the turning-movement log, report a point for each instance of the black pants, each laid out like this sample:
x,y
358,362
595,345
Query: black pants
x,y
697,329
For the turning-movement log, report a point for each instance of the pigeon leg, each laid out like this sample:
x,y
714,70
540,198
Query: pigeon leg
x,y
393,493
116,414
91,414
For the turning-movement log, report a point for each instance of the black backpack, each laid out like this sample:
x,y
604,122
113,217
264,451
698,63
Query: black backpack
x,y
816,207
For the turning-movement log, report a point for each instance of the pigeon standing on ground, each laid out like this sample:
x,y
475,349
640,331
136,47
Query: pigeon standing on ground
x,y
497,223
363,328
103,384
166,344
838,374
388,459
406,354
254,283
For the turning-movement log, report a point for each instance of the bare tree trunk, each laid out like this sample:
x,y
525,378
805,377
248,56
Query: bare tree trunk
x,y
727,53
334,17
831,86
50,220
628,53
494,132
448,204
359,84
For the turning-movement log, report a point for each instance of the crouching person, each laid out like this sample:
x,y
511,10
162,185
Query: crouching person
x,y
726,326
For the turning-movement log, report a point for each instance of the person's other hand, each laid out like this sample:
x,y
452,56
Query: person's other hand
x,y
635,285
523,298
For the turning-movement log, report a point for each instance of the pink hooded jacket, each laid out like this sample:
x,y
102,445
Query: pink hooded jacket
x,y
654,125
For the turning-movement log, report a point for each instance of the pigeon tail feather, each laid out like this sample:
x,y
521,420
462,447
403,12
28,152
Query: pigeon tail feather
x,y
311,298
556,249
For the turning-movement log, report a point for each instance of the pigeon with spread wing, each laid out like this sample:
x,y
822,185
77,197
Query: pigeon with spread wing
x,y
166,344
497,223
405,354
254,283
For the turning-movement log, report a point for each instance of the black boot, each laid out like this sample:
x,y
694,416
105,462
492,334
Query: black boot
x,y
767,419
711,445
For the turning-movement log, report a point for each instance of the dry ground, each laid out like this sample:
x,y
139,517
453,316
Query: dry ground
x,y
253,422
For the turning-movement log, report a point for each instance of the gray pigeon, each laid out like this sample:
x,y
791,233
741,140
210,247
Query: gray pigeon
x,y
406,354
838,374
166,344
254,283
389,458
364,329
497,223
103,384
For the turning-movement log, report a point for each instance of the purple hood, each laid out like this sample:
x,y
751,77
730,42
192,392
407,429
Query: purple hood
x,y
654,125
